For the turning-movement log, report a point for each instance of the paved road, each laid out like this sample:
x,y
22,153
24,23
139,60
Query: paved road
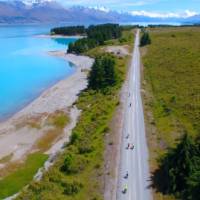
x,y
135,161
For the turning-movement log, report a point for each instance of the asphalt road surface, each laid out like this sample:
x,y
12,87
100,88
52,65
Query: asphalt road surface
x,y
134,161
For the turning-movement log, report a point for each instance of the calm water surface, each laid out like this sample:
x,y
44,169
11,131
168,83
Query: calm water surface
x,y
25,68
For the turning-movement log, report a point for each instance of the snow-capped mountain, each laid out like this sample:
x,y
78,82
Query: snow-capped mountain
x,y
194,19
32,2
50,11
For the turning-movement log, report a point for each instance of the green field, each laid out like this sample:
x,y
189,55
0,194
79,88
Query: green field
x,y
78,172
172,88
12,183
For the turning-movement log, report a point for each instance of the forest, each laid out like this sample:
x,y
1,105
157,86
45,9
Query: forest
x,y
96,35
68,30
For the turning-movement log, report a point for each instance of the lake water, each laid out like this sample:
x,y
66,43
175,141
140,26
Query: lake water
x,y
26,69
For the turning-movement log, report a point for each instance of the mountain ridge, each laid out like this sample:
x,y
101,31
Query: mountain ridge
x,y
50,11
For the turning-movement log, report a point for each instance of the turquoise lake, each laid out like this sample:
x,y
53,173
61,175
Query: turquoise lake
x,y
26,69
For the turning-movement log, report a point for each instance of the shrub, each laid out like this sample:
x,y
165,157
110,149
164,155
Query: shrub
x,y
72,188
74,137
85,146
122,40
73,164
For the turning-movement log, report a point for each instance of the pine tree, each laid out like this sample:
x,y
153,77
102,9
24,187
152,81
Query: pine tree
x,y
145,39
102,74
178,164
183,162
96,77
193,186
109,68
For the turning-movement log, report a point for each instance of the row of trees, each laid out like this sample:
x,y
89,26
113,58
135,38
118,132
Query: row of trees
x,y
104,32
69,30
96,35
180,170
81,45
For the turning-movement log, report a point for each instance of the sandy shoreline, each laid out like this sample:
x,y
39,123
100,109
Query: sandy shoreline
x,y
59,36
16,137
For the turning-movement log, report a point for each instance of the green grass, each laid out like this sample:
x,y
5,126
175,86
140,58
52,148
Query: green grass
x,y
59,119
126,39
86,148
12,183
172,75
6,159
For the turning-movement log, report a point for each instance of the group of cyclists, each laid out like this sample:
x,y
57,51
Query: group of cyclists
x,y
129,146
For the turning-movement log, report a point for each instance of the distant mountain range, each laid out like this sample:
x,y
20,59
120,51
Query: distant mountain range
x,y
193,20
48,11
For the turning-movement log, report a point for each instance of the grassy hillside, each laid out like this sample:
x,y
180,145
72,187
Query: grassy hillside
x,y
172,88
78,172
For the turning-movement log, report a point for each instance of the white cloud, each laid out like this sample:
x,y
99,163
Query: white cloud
x,y
185,14
101,8
190,13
